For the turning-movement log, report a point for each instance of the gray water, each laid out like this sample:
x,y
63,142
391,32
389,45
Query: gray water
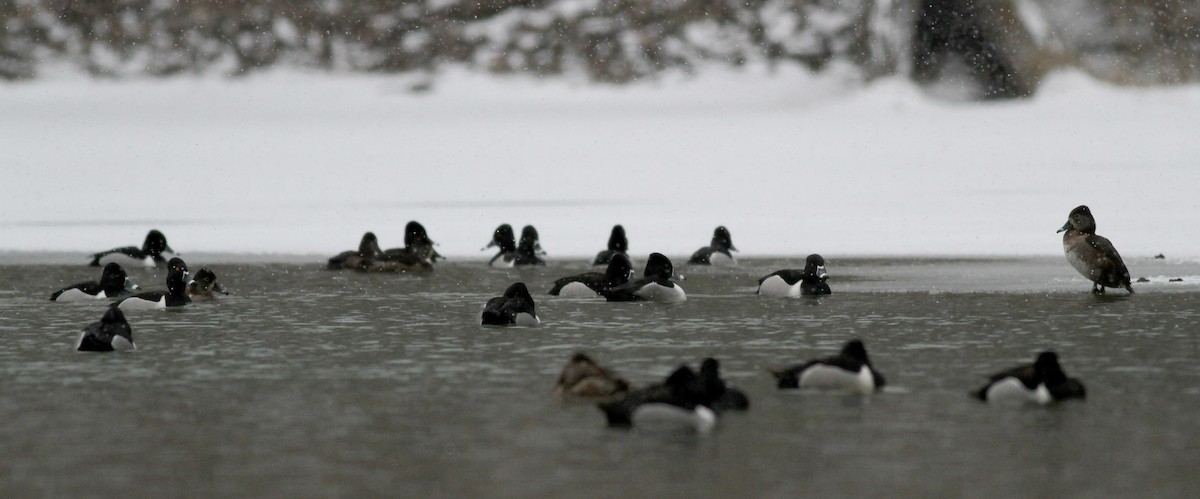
x,y
310,383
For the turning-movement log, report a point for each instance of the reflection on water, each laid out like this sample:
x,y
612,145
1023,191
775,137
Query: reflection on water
x,y
312,383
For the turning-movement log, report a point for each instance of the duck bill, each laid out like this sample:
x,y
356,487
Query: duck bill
x,y
130,285
1065,227
821,273
678,277
218,288
489,245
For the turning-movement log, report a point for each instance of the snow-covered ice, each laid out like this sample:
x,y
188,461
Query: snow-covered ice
x,y
292,162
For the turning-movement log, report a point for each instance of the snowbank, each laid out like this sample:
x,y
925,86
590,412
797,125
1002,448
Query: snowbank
x,y
792,163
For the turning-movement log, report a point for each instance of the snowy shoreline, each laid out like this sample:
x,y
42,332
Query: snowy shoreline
x,y
792,163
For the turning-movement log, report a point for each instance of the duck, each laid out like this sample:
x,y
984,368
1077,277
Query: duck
x,y
503,239
655,285
595,284
178,278
809,281
368,251
110,333
417,254
1093,256
515,307
204,285
686,400
529,249
1041,382
718,250
150,254
582,377
617,245
849,370
114,283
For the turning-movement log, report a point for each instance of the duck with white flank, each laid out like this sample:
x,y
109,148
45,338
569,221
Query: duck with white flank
x,y
655,285
1092,255
617,245
114,283
176,295
686,400
514,308
718,250
1041,383
149,255
849,370
809,281
595,284
110,333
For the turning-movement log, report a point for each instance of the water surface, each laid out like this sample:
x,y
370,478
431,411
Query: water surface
x,y
310,383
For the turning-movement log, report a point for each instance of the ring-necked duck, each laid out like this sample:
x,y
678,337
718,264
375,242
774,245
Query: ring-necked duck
x,y
529,249
617,245
110,333
655,285
417,254
514,308
176,295
849,370
1041,382
368,251
1092,255
595,284
150,254
809,281
583,377
504,239
204,285
718,250
685,400
114,283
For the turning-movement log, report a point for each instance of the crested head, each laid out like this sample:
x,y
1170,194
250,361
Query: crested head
x,y
856,350
176,265
617,240
619,270
155,243
658,265
414,233
504,238
710,367
113,315
1081,219
814,260
1046,365
722,240
369,244
518,290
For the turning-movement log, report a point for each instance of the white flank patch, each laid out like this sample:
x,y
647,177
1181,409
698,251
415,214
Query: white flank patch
x,y
79,342
721,260
577,290
662,294
776,286
140,304
667,417
825,377
120,344
1011,390
74,294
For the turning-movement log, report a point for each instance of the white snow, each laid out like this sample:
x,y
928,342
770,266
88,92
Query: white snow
x,y
292,162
